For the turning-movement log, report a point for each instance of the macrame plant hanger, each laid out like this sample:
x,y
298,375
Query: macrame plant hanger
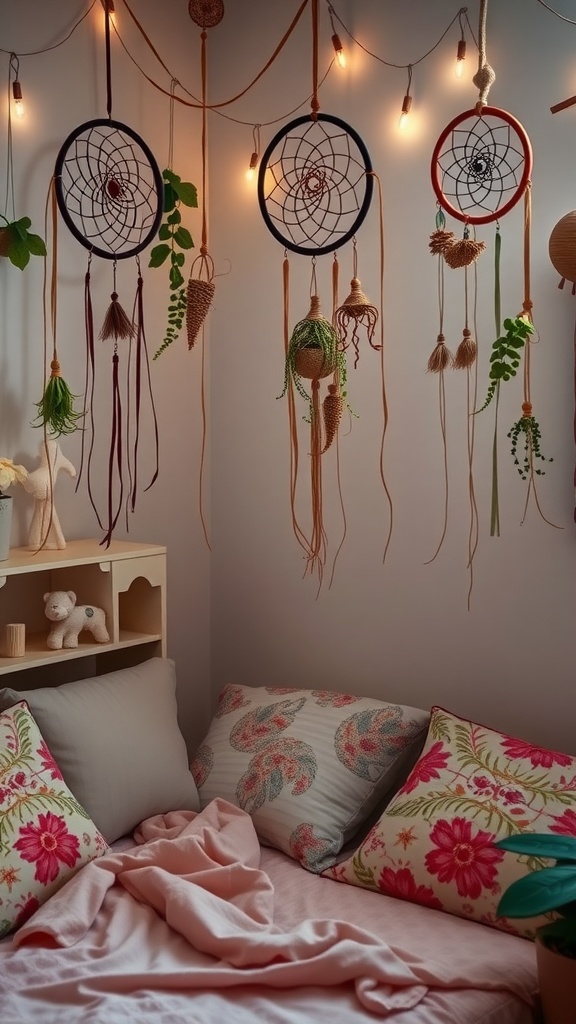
x,y
480,169
306,170
110,194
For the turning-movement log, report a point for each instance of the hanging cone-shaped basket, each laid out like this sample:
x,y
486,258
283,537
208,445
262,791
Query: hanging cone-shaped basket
x,y
332,408
463,253
356,311
199,295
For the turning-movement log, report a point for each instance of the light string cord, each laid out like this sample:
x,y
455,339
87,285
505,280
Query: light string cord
x,y
54,46
485,75
13,67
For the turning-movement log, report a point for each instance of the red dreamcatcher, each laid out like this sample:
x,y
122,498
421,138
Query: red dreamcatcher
x,y
480,169
109,191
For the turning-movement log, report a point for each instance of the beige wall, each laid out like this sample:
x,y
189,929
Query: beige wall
x,y
243,613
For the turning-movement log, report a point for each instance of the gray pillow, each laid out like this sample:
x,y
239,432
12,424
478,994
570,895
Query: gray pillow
x,y
117,742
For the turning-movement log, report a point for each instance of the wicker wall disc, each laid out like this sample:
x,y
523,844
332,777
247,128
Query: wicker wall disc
x,y
562,246
206,13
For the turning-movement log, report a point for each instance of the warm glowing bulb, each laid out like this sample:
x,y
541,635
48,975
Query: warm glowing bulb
x,y
18,102
250,173
460,58
406,104
339,50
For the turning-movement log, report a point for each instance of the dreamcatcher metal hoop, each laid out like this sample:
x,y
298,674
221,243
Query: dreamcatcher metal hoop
x,y
315,184
481,165
109,189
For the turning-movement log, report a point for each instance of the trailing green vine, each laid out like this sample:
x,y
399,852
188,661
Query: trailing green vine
x,y
173,237
528,426
506,354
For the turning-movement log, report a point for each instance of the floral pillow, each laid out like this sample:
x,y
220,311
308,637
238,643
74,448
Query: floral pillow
x,y
45,835
434,843
308,765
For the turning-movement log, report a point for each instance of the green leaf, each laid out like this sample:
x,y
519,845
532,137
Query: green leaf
x,y
178,259
165,233
175,217
19,254
183,237
539,892
36,245
22,225
158,255
170,177
187,193
176,279
540,844
170,198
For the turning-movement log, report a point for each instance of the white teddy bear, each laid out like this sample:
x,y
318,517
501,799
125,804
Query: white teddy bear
x,y
70,618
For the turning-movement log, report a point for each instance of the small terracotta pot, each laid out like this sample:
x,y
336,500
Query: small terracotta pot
x,y
557,981
312,363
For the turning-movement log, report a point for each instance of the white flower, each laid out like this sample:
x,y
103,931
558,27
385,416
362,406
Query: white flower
x,y
11,474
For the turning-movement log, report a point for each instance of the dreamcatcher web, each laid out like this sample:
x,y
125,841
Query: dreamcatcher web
x,y
481,165
108,189
314,184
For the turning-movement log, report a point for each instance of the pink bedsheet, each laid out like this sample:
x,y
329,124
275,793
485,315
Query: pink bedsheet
x,y
191,913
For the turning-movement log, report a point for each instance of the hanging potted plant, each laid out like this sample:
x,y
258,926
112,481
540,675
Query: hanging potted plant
x,y
545,889
18,243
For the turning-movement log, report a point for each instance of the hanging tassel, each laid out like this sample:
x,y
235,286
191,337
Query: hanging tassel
x,y
463,252
466,351
356,310
441,358
440,241
332,408
117,324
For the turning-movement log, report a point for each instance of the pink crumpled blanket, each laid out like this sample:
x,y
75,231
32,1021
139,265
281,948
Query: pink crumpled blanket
x,y
200,873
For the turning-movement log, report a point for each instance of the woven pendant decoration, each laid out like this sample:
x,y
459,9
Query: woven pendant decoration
x,y
206,13
356,311
199,295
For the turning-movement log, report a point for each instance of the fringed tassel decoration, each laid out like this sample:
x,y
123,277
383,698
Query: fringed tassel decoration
x,y
356,311
467,349
117,323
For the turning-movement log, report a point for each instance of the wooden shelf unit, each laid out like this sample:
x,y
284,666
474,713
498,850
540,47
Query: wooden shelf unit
x,y
127,580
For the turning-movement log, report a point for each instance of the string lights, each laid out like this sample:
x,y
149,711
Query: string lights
x,y
406,102
251,172
16,87
461,51
336,42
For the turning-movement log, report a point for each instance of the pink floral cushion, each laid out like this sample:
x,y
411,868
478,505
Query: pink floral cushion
x,y
45,835
434,843
307,765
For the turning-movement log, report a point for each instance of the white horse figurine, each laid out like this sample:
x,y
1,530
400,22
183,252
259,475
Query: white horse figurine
x,y
45,529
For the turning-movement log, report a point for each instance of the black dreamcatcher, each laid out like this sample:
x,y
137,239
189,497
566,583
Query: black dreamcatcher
x,y
109,191
315,186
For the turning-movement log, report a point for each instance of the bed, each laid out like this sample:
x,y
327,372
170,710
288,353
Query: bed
x,y
229,911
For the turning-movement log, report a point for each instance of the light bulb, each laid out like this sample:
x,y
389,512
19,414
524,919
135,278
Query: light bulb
x,y
252,167
19,109
460,58
406,104
339,50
